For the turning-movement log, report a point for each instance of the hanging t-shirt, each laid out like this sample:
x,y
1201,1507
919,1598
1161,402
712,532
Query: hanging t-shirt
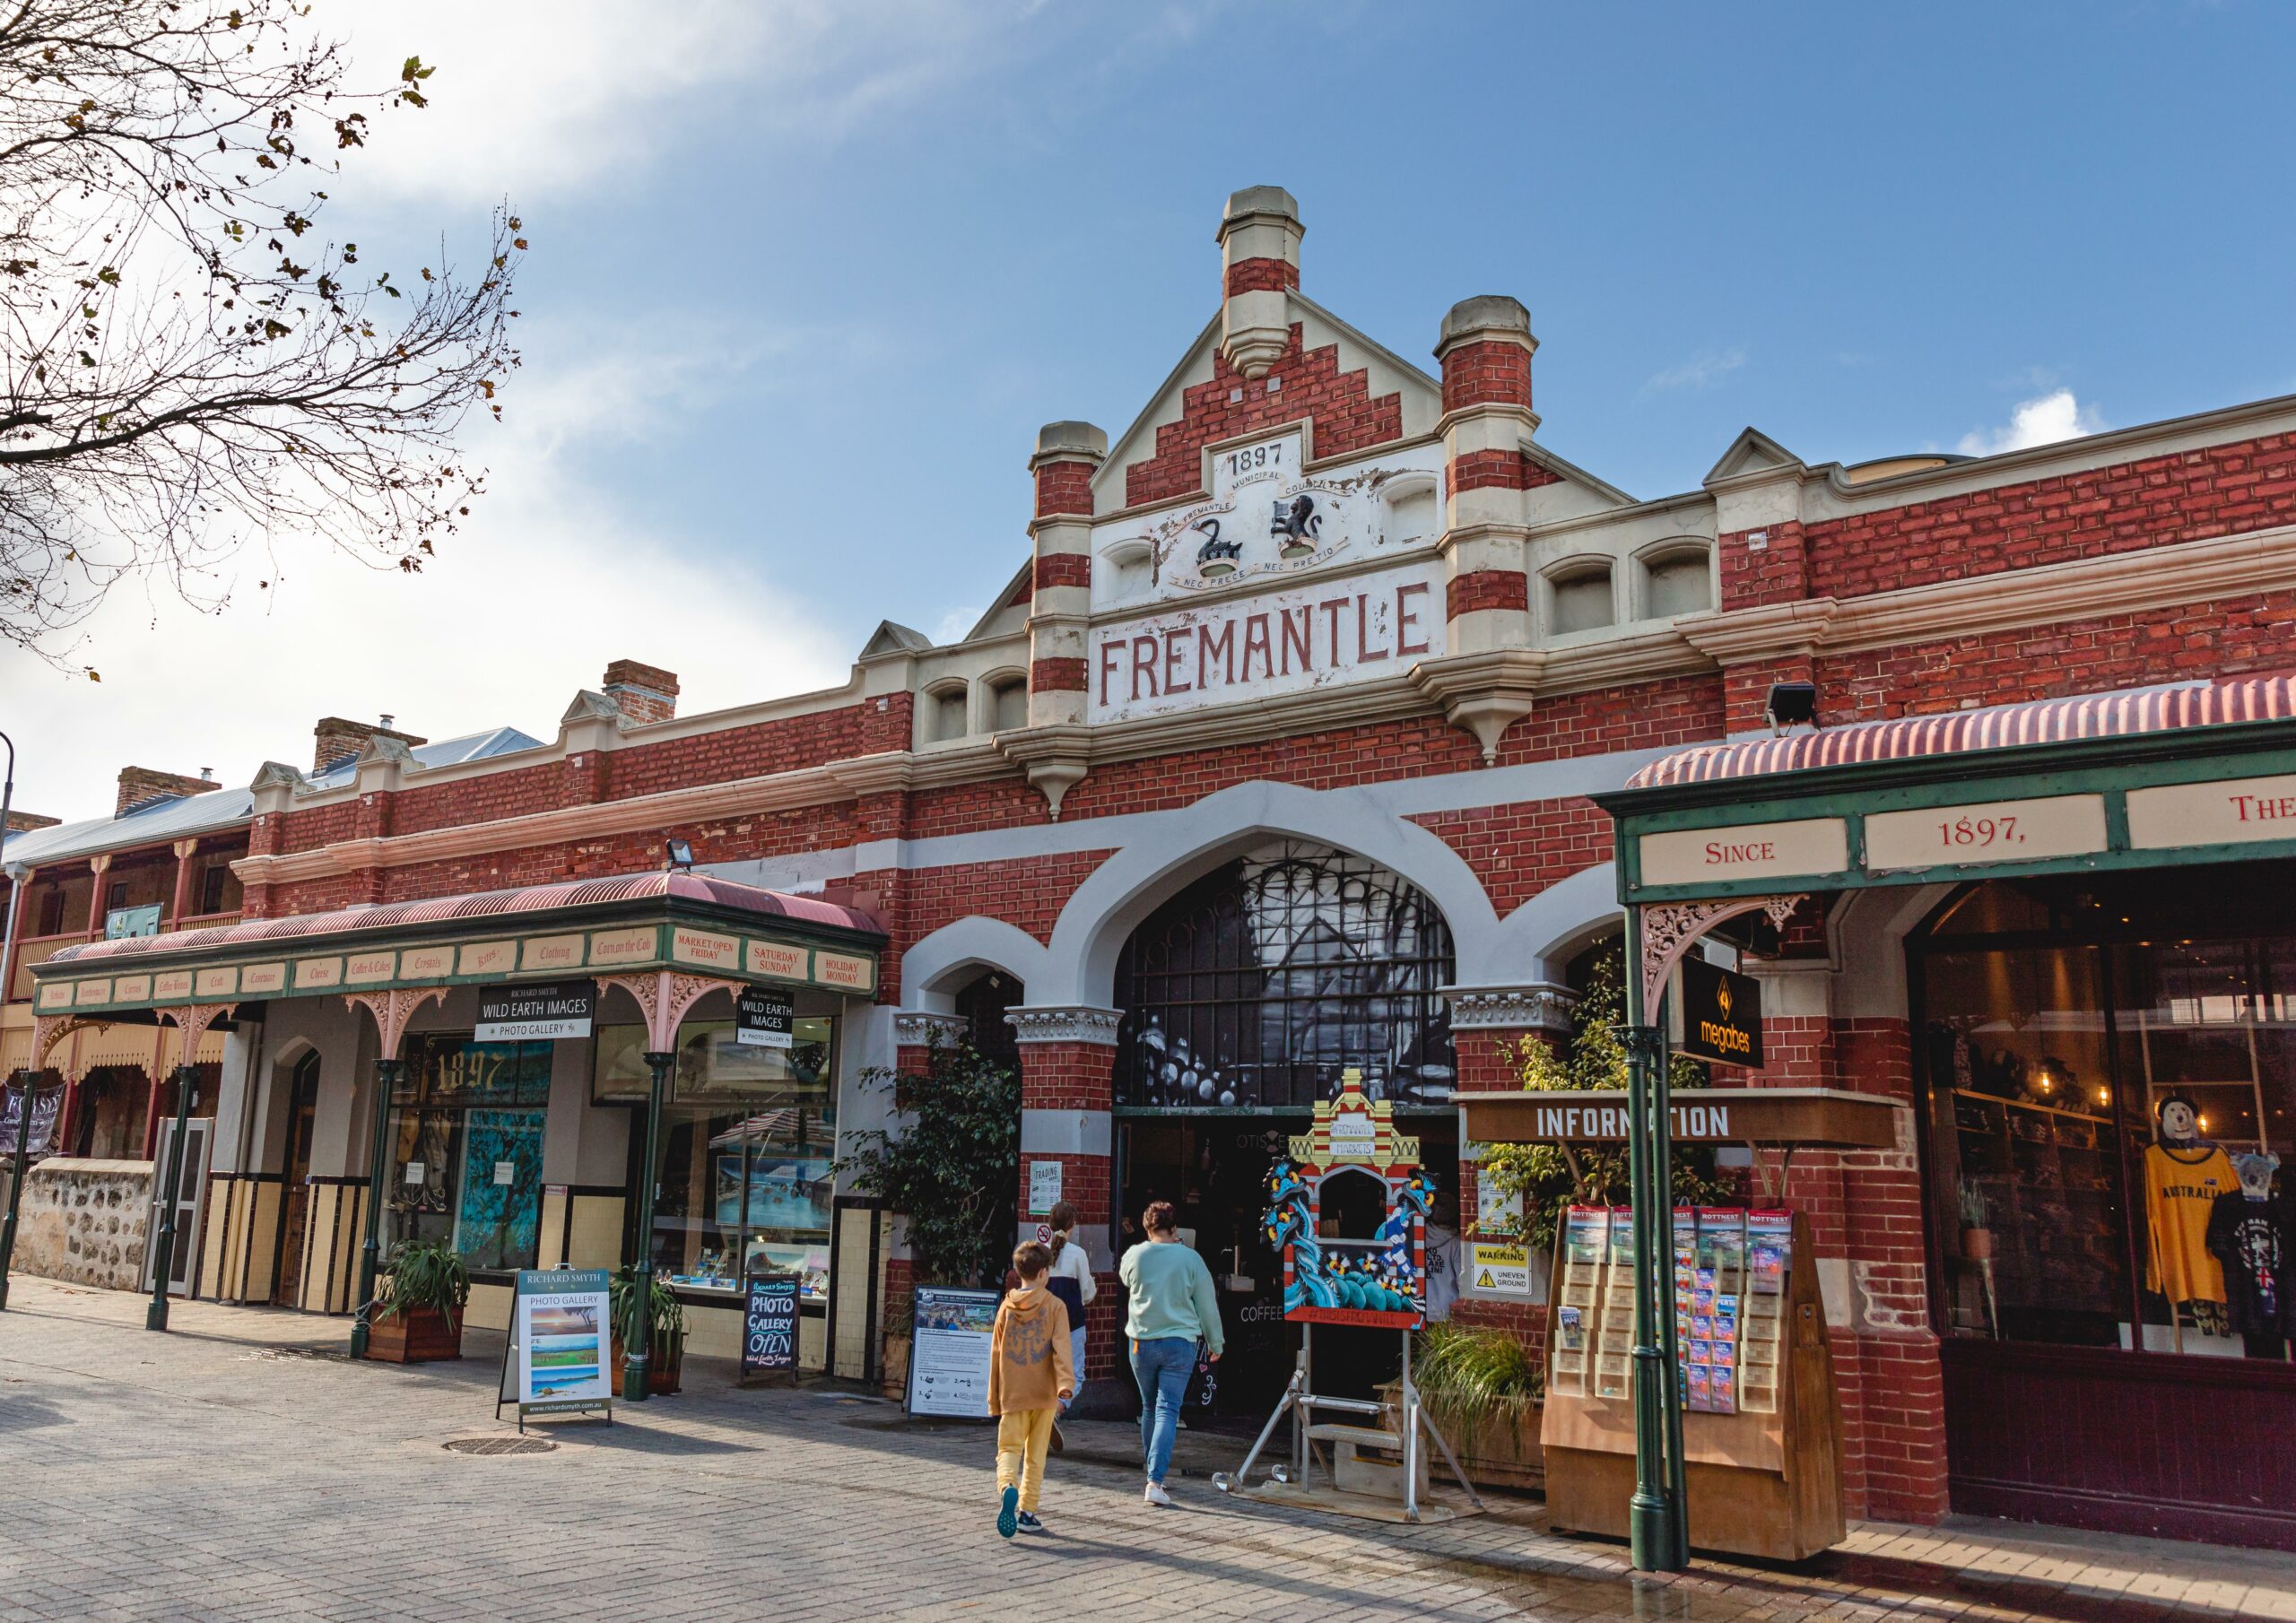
x,y
2180,1191
2250,1239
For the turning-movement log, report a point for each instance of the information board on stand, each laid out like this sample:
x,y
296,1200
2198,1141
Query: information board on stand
x,y
559,1358
770,1326
949,1352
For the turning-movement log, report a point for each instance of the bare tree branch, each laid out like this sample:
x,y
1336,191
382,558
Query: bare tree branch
x,y
185,365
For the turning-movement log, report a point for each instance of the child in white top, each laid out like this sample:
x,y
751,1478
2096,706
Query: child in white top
x,y
1070,1279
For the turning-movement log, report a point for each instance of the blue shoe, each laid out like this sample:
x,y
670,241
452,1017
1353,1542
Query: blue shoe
x,y
1028,1522
1006,1520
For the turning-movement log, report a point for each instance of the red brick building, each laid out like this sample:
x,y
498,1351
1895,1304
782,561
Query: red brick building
x,y
1273,757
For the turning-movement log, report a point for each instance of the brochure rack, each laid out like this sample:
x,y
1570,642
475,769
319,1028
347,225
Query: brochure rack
x,y
1761,1436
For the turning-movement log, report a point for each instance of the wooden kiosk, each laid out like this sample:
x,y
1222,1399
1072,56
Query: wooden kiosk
x,y
1761,1428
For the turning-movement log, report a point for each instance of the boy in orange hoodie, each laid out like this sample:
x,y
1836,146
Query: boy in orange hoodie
x,y
1029,1372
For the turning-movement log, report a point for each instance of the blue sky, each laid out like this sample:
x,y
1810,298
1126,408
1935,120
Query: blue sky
x,y
806,277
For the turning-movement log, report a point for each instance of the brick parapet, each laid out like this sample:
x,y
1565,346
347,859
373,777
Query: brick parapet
x,y
1347,416
1495,371
1065,488
1259,277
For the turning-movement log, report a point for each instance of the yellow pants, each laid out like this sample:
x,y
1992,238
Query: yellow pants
x,y
1022,1437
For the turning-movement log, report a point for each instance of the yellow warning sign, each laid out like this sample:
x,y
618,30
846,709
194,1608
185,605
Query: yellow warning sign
x,y
1501,1269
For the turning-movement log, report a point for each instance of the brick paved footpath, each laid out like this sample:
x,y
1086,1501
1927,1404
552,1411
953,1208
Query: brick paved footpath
x,y
239,1468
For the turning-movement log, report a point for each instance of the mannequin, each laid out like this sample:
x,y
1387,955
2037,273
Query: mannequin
x,y
2184,1173
2249,1235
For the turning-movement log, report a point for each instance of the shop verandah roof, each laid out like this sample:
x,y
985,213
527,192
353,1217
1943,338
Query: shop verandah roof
x,y
677,920
2123,714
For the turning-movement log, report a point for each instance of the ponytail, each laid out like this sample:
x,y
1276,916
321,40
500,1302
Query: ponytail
x,y
1062,1218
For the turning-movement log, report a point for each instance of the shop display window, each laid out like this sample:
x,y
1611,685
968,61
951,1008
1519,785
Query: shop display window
x,y
466,1134
2111,1074
749,1139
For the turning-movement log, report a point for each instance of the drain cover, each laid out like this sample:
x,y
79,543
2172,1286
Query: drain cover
x,y
499,1445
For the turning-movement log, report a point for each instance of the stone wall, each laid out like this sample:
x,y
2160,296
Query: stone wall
x,y
84,1220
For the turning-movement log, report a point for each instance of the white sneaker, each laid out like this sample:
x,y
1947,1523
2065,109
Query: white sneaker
x,y
1157,1496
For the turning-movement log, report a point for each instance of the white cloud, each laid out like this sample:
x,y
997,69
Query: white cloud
x,y
2043,420
551,580
1702,370
534,97
953,625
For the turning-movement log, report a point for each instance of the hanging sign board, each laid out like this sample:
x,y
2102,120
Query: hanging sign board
x,y
770,1324
535,1013
1717,1014
123,923
949,1352
47,1102
560,1359
765,1017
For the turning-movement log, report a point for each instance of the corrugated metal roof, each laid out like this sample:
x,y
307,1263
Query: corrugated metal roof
x,y
526,899
171,819
2043,721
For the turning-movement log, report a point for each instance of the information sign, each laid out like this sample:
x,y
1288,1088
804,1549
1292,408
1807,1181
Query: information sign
x,y
770,1324
560,1359
1044,1187
949,1352
1499,1270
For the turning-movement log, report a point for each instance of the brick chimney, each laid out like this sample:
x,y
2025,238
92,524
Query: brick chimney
x,y
339,739
1260,264
138,785
24,822
643,693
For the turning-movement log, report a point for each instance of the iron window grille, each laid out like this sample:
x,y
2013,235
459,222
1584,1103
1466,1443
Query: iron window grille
x,y
1258,984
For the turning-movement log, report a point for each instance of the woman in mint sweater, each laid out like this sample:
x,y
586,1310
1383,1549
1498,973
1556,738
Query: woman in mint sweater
x,y
1171,1308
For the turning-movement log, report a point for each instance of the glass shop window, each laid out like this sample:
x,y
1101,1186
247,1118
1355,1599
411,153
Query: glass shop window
x,y
749,1135
2111,1072
466,1134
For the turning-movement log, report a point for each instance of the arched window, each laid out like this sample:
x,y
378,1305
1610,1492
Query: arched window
x,y
1261,982
1676,581
945,716
1579,599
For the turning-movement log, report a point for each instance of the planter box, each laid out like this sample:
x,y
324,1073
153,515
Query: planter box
x,y
1502,1454
422,1335
661,1375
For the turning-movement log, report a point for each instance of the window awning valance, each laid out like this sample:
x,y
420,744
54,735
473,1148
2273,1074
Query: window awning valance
x,y
691,922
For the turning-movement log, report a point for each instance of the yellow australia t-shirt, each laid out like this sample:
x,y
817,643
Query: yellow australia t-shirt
x,y
2180,1186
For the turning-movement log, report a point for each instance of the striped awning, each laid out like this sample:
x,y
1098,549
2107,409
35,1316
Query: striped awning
x,y
2046,721
693,923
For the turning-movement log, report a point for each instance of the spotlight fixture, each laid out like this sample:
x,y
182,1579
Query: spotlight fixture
x,y
679,853
1790,704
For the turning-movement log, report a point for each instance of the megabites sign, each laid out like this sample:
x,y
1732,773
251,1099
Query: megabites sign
x,y
535,1013
1720,1017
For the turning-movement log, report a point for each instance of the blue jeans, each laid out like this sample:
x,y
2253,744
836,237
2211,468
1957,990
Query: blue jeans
x,y
1077,1358
1161,1367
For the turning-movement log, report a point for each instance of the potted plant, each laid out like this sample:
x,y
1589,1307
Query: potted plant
x,y
418,1311
1485,1391
1976,1232
665,1346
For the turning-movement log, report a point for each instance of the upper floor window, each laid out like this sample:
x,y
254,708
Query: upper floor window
x,y
1008,703
945,716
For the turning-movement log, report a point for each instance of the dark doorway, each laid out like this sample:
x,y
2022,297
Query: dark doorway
x,y
983,1003
1215,1168
295,1191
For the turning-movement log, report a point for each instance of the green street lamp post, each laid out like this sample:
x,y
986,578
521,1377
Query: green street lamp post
x,y
163,1251
1657,1516
637,1354
387,1077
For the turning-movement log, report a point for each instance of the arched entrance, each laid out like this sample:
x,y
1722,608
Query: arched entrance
x,y
1244,996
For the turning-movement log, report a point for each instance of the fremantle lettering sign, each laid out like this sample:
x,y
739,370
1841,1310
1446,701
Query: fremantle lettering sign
x,y
1297,640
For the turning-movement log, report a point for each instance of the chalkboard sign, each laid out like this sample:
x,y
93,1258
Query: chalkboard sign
x,y
769,1325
